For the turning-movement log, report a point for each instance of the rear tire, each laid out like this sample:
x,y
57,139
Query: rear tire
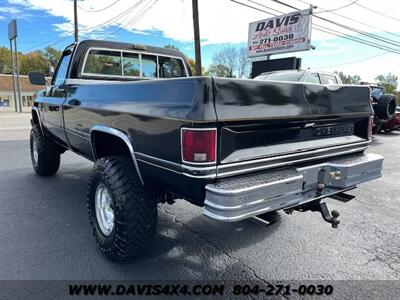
x,y
45,154
133,209
386,106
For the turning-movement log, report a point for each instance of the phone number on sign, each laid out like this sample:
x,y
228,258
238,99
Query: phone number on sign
x,y
284,290
277,38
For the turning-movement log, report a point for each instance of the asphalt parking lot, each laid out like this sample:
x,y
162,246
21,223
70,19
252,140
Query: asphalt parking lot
x,y
45,233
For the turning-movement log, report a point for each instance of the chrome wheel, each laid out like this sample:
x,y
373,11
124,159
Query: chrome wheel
x,y
35,150
104,210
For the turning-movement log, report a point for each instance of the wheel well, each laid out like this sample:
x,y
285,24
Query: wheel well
x,y
105,144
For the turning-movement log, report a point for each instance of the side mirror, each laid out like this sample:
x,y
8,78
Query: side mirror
x,y
37,78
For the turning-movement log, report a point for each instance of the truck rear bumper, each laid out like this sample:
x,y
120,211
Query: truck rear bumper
x,y
245,196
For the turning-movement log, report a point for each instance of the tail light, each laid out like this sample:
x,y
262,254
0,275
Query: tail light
x,y
370,125
199,145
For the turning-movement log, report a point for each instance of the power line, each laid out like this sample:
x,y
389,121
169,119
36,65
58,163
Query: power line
x,y
285,4
355,61
371,35
48,44
136,17
338,8
345,26
351,29
273,9
96,27
353,38
353,20
252,7
377,12
104,8
113,19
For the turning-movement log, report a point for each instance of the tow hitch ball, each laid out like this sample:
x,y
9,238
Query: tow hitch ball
x,y
330,217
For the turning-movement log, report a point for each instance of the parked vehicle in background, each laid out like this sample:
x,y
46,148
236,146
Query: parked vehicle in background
x,y
384,106
239,148
393,123
317,77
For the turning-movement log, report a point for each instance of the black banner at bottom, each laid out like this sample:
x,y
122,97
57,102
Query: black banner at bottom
x,y
55,289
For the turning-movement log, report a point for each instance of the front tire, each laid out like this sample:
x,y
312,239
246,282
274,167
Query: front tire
x,y
45,154
124,220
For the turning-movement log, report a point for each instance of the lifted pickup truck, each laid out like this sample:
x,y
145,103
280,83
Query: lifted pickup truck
x,y
239,148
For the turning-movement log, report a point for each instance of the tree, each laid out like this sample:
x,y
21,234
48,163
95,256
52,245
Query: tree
x,y
219,71
52,55
243,63
5,61
349,79
230,62
33,61
192,64
389,82
39,60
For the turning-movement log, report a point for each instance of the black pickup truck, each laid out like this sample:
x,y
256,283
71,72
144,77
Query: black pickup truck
x,y
239,148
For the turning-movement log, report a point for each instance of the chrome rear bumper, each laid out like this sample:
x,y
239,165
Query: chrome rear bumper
x,y
244,196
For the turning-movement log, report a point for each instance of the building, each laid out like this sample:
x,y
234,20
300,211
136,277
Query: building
x,y
7,101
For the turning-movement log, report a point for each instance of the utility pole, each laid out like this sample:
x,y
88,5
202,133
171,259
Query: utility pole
x,y
196,29
76,20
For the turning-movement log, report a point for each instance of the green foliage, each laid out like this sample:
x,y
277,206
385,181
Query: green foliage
x,y
5,61
220,70
389,82
39,61
33,61
349,79
192,64
52,55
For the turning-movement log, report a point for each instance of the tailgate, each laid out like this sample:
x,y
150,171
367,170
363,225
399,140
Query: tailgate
x,y
262,119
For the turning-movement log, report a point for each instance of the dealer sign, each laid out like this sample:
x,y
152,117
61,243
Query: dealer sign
x,y
287,33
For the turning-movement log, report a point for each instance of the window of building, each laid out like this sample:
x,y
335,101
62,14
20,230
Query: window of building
x,y
30,100
5,101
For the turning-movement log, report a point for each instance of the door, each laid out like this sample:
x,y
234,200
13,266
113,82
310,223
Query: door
x,y
52,105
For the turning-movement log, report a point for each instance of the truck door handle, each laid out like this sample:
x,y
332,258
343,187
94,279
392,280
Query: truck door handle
x,y
74,102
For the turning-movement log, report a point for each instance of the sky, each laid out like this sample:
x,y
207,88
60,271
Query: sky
x,y
222,23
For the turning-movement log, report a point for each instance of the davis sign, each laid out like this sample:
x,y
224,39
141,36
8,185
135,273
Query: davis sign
x,y
282,34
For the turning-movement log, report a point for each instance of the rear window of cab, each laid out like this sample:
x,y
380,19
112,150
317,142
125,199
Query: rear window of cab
x,y
115,63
